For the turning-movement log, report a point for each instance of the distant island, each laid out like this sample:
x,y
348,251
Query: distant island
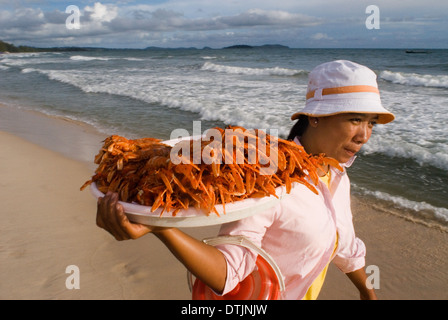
x,y
266,46
238,46
10,48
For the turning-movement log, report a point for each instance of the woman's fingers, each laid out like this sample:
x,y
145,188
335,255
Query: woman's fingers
x,y
112,218
107,216
133,230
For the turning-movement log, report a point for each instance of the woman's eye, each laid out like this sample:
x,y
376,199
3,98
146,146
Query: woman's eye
x,y
356,120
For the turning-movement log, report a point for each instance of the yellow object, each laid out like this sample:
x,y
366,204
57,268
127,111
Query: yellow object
x,y
326,179
316,286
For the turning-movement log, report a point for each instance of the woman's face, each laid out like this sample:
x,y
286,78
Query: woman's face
x,y
342,136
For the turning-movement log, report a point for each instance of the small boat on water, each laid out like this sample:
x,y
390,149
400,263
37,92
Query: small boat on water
x,y
417,51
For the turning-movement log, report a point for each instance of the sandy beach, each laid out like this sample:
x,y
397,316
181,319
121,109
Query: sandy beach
x,y
48,224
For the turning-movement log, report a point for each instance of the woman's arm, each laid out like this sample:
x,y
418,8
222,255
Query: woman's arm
x,y
204,261
359,279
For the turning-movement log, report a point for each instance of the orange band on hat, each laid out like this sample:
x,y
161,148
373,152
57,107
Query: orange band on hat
x,y
341,90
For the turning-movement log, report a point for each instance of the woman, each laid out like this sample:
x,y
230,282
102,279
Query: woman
x,y
305,231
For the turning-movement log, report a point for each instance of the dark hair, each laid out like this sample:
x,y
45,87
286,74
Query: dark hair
x,y
299,127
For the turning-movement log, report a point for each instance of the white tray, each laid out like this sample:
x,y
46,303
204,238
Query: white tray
x,y
193,217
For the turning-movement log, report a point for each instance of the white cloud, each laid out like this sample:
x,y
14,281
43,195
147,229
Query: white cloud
x,y
101,13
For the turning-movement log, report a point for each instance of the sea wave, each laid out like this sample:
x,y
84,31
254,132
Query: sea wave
x,y
421,155
85,58
14,62
222,103
88,58
133,59
211,103
29,70
419,209
414,79
276,71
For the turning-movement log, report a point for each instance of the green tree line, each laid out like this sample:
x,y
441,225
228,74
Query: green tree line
x,y
7,47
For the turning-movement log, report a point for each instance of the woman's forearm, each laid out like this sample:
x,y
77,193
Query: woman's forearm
x,y
205,262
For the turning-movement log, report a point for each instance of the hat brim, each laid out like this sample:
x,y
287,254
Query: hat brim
x,y
323,108
383,118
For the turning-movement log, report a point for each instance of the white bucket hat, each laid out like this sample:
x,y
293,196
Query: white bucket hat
x,y
343,87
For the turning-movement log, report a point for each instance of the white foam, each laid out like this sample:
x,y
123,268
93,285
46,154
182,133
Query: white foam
x,y
19,61
15,62
414,79
85,58
25,54
3,67
89,58
419,130
134,59
398,147
276,71
242,103
439,213
28,70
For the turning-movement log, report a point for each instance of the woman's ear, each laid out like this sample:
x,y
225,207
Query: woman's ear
x,y
313,121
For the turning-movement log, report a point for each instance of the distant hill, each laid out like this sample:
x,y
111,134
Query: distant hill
x,y
162,48
266,46
238,46
7,47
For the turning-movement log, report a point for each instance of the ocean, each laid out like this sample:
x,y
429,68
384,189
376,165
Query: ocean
x,y
149,93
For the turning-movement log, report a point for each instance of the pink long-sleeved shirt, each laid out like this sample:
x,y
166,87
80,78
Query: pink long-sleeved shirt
x,y
299,234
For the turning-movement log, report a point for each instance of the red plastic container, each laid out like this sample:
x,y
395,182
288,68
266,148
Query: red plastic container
x,y
264,283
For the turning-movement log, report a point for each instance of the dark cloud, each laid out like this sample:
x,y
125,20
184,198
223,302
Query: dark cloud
x,y
256,17
55,17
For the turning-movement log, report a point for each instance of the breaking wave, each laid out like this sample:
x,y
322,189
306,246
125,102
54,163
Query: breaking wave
x,y
276,71
422,209
414,79
85,58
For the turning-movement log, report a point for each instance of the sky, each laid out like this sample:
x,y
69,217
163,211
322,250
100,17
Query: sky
x,y
218,23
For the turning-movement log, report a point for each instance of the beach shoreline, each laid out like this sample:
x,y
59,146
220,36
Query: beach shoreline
x,y
55,228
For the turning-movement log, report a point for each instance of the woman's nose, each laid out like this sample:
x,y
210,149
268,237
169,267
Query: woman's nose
x,y
363,133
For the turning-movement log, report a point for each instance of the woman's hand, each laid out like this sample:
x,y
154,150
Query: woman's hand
x,y
111,217
204,262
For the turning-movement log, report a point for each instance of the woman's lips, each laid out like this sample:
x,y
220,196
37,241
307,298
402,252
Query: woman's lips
x,y
351,152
